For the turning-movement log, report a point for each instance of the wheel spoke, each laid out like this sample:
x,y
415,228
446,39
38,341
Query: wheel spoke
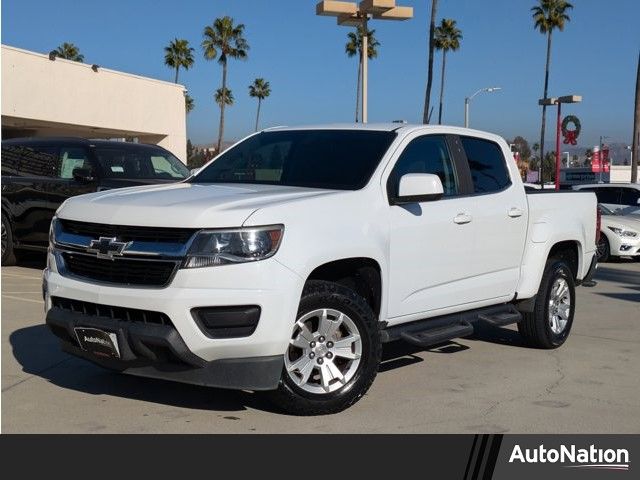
x,y
335,372
328,327
325,376
306,372
342,348
300,364
305,333
300,342
563,310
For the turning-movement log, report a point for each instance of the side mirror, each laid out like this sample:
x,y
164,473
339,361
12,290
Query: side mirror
x,y
83,175
419,187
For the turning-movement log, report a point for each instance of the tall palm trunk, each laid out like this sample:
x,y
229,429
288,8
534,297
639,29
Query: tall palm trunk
x,y
222,104
258,114
544,109
176,80
358,87
432,29
444,62
635,148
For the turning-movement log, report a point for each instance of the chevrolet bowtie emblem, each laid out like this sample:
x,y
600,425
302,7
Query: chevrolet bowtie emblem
x,y
107,247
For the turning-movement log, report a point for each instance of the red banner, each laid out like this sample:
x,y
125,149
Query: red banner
x,y
605,159
596,166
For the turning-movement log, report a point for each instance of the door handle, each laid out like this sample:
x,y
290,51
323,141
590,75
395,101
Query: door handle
x,y
462,218
515,212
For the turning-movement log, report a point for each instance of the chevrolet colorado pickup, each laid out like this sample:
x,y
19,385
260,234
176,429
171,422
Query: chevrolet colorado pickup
x,y
290,259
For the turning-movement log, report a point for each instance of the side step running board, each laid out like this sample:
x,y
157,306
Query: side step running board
x,y
434,336
432,331
501,319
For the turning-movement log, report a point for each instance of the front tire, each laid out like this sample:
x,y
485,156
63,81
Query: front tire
x,y
334,352
8,253
549,324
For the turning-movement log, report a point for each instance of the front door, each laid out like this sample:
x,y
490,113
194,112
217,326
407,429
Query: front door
x,y
431,243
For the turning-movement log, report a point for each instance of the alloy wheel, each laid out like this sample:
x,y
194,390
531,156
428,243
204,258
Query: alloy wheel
x,y
559,306
324,351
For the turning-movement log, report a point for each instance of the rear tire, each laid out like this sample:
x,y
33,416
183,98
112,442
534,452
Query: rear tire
x,y
549,324
8,253
603,249
334,352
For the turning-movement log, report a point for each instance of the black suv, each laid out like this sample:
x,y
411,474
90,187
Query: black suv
x,y
38,174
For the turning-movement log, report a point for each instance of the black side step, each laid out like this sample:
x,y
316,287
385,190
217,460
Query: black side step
x,y
431,331
500,319
434,336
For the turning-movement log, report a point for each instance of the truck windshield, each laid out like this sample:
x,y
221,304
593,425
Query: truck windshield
x,y
140,162
334,159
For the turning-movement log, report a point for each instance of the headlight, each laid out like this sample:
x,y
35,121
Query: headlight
x,y
623,233
222,247
52,231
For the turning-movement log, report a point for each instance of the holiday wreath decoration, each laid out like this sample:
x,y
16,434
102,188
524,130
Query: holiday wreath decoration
x,y
571,136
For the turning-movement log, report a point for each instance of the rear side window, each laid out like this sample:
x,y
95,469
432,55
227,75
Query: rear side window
x,y
487,164
30,161
428,154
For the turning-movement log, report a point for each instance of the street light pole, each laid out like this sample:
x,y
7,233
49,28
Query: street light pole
x,y
467,101
365,68
557,101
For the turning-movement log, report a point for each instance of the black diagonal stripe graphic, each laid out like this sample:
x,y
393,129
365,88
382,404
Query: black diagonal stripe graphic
x,y
492,457
480,458
472,455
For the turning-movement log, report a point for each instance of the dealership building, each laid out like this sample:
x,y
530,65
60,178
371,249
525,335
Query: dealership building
x,y
49,96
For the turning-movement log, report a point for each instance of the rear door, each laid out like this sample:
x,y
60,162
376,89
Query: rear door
x,y
28,191
499,221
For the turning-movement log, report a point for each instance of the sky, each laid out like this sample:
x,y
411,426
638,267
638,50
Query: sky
x,y
313,81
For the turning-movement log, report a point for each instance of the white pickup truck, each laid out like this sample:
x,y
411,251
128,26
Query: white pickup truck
x,y
290,259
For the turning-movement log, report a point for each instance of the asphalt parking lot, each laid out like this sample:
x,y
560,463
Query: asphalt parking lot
x,y
489,383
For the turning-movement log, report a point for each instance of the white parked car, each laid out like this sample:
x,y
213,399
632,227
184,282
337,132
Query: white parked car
x,y
621,198
620,235
288,260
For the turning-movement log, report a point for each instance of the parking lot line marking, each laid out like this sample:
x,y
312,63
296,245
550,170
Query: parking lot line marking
x,y
23,299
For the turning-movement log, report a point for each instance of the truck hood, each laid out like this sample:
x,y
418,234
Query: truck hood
x,y
186,205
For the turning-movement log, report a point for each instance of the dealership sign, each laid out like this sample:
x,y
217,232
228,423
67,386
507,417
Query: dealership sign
x,y
572,457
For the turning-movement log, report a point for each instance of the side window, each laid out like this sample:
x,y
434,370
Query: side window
x,y
37,161
630,196
70,159
487,164
427,154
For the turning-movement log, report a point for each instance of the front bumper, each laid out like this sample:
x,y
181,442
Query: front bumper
x,y
158,351
249,362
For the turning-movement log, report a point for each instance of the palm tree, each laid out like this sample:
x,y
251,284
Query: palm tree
x,y
189,104
448,37
227,38
354,47
69,51
223,96
259,89
548,15
426,115
178,54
